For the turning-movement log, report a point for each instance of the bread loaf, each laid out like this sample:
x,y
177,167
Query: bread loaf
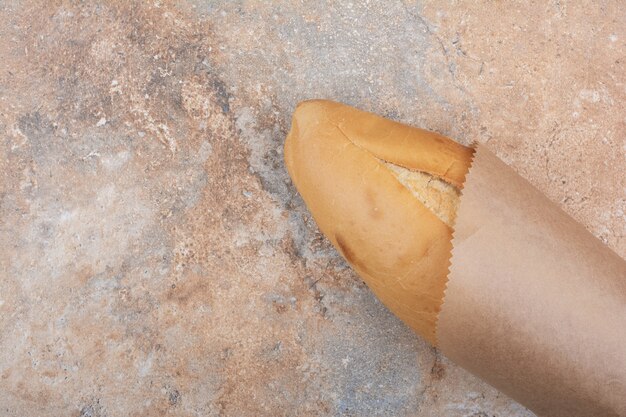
x,y
385,194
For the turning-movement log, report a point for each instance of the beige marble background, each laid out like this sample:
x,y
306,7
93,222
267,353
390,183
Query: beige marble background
x,y
155,258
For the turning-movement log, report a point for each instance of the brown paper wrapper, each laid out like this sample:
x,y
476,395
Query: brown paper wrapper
x,y
535,304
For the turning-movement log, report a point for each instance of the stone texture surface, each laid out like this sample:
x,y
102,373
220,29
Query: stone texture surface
x,y
154,257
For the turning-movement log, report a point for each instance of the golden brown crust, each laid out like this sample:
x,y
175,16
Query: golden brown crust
x,y
336,156
399,144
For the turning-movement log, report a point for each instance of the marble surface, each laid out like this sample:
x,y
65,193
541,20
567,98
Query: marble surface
x,y
155,258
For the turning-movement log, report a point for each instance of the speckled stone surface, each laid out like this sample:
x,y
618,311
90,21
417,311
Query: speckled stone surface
x,y
155,258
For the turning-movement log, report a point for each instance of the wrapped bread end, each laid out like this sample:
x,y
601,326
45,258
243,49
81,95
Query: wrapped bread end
x,y
534,303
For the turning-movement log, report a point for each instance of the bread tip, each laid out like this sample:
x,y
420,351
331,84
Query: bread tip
x,y
372,186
